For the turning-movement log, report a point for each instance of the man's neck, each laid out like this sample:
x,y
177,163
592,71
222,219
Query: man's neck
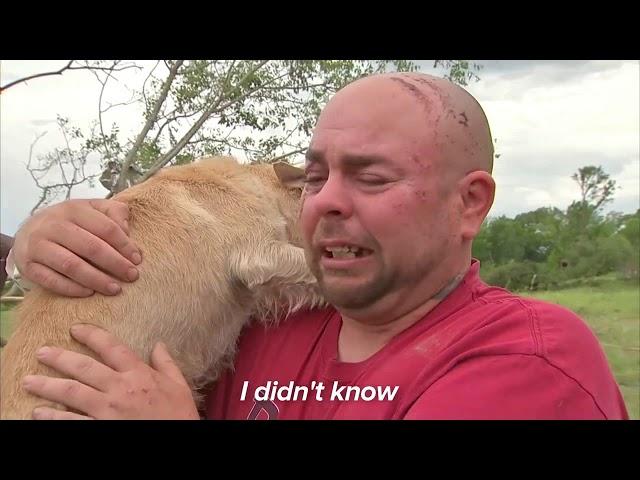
x,y
359,340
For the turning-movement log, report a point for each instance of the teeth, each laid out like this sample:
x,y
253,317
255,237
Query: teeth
x,y
344,255
343,249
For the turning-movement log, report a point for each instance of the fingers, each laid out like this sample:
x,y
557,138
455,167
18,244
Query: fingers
x,y
116,211
46,413
161,361
95,222
55,258
94,237
67,392
113,352
51,280
95,250
77,366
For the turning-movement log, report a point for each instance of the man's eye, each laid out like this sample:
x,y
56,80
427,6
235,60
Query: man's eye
x,y
372,180
312,180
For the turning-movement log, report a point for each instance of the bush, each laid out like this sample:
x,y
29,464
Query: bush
x,y
513,275
592,258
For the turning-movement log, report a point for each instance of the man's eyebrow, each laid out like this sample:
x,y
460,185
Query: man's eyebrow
x,y
359,161
313,157
349,160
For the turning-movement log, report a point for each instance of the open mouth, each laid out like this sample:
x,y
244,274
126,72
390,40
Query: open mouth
x,y
345,252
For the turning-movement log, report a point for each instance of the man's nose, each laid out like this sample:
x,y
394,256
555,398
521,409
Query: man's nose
x,y
334,198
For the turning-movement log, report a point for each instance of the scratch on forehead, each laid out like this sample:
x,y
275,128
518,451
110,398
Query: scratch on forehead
x,y
416,92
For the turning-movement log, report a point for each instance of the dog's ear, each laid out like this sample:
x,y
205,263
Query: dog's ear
x,y
290,176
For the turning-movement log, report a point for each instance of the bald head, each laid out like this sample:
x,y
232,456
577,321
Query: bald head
x,y
446,122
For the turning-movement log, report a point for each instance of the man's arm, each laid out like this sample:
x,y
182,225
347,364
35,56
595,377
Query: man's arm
x,y
506,387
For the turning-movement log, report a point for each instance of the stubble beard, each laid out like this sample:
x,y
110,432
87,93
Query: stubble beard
x,y
351,294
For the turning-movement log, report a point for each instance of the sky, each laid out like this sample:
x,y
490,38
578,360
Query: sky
x,y
548,119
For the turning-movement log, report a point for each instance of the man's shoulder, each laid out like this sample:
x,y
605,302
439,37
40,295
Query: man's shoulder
x,y
551,327
524,325
522,342
528,324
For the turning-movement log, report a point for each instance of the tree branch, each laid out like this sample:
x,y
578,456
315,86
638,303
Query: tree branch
x,y
68,66
280,157
104,85
214,108
172,119
119,105
37,75
144,84
150,121
29,169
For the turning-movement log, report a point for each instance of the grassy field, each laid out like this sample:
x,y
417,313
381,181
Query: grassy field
x,y
611,309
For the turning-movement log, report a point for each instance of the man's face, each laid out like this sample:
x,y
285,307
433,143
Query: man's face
x,y
374,186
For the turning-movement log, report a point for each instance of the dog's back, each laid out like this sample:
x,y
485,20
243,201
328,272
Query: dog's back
x,y
200,228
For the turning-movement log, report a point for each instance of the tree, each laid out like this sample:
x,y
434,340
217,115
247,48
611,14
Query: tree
x,y
261,110
630,228
500,240
583,217
595,186
540,232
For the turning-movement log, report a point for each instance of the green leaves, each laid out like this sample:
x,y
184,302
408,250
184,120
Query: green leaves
x,y
459,71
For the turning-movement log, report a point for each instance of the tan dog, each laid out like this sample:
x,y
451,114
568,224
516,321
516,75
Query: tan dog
x,y
219,244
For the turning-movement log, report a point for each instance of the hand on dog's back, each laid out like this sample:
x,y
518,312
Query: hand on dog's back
x,y
78,247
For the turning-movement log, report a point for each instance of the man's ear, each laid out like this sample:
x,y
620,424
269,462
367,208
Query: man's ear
x,y
478,192
290,176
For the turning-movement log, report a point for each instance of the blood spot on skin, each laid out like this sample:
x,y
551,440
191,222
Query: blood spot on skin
x,y
398,207
423,165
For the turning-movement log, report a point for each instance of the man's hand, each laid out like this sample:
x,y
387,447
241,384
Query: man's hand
x,y
124,387
77,247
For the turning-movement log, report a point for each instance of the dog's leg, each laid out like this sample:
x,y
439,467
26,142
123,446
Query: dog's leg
x,y
279,279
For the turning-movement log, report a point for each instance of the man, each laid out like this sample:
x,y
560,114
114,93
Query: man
x,y
398,183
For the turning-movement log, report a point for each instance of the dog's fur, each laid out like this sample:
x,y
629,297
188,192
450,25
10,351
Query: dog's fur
x,y
220,246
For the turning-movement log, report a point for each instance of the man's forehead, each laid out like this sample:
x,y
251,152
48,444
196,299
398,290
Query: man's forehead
x,y
398,162
362,146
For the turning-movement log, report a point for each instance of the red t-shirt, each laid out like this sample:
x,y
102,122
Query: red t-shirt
x,y
482,353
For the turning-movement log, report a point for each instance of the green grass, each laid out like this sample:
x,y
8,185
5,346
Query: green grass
x,y
612,310
5,321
